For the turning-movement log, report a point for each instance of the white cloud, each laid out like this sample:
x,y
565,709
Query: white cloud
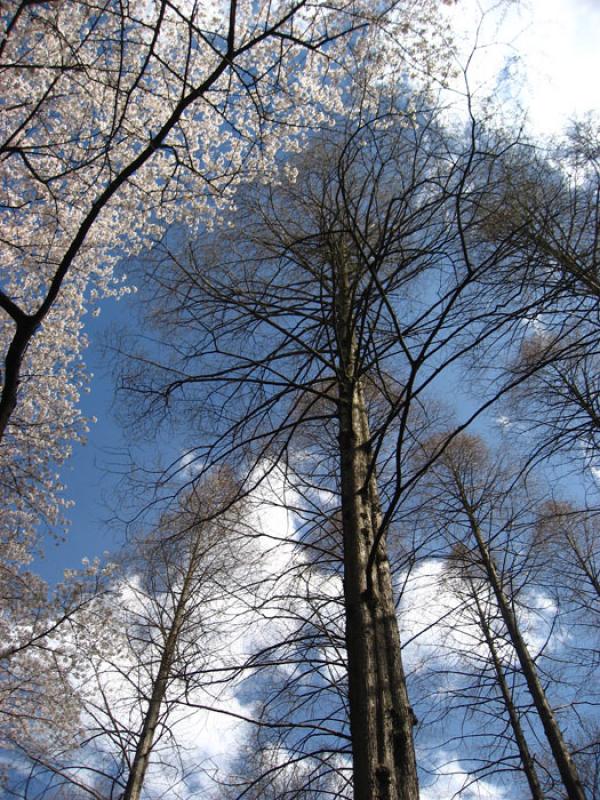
x,y
427,607
439,629
189,465
548,47
452,781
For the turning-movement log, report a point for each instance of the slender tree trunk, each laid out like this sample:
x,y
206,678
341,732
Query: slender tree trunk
x,y
562,757
524,753
381,719
139,765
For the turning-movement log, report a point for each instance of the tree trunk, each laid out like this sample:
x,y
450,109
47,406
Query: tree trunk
x,y
381,718
562,757
26,327
143,750
524,753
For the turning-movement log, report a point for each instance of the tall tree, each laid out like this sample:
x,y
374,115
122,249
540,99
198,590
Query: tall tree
x,y
166,616
185,571
115,119
319,310
480,613
476,500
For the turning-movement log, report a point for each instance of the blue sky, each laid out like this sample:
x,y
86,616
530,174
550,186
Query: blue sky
x,y
91,474
561,82
556,41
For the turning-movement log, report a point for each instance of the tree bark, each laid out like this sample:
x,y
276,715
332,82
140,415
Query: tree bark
x,y
562,757
25,329
139,765
381,719
515,723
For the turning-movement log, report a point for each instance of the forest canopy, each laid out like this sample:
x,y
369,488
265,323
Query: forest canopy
x,y
359,521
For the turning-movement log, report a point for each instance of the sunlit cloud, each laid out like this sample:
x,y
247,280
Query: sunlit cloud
x,y
541,54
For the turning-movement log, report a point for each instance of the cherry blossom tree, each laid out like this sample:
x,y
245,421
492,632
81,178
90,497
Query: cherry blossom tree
x,y
120,118
45,636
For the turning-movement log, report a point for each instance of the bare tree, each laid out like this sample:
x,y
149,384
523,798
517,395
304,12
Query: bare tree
x,y
185,572
475,496
318,307
166,616
543,207
571,538
479,610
